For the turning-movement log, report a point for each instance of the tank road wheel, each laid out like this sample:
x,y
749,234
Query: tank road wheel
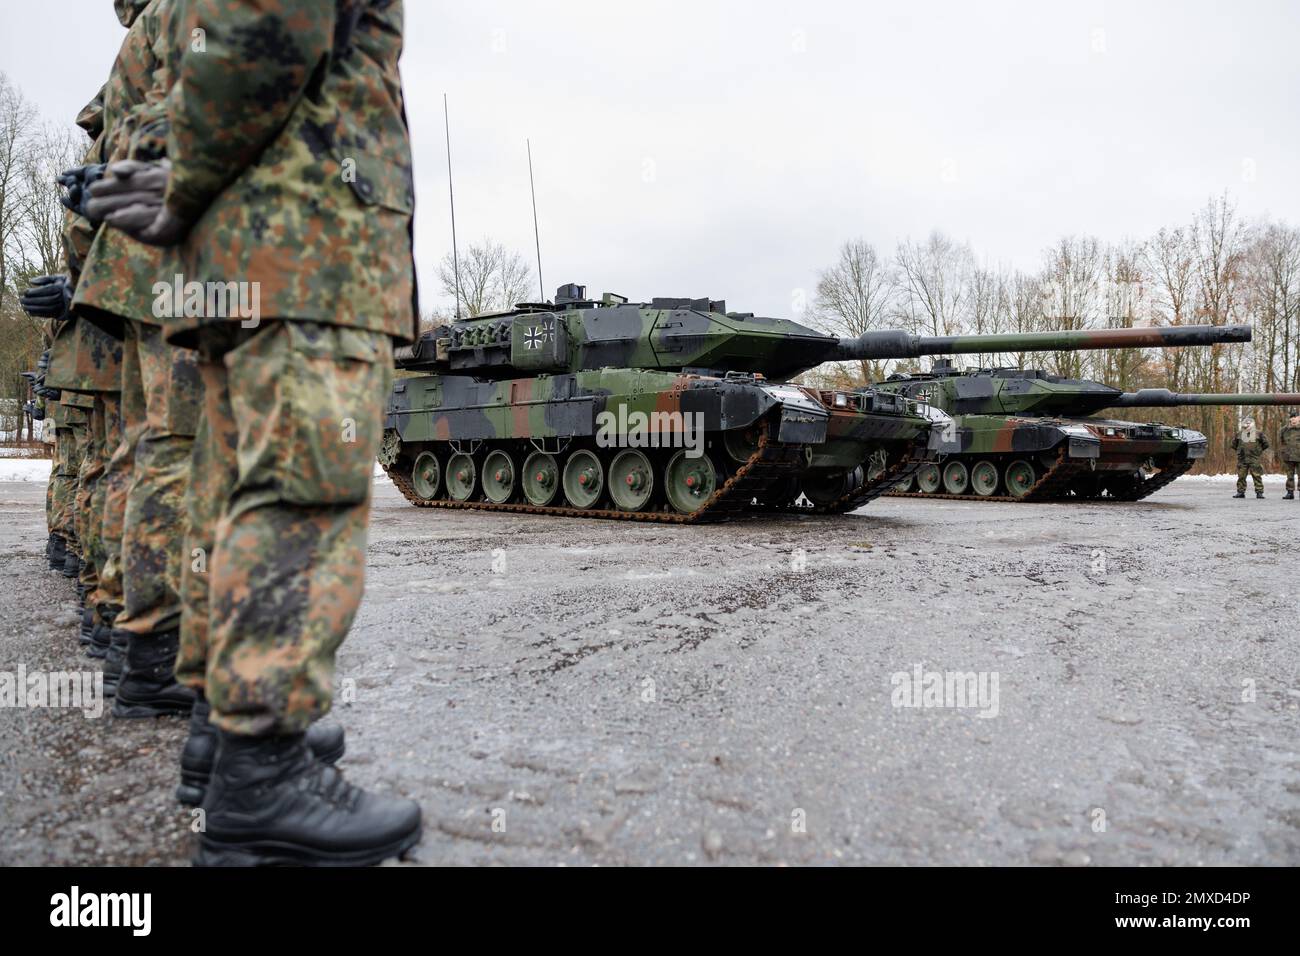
x,y
498,477
984,478
823,490
426,476
741,443
462,476
928,479
541,478
631,480
689,482
780,494
1020,477
956,478
584,479
907,484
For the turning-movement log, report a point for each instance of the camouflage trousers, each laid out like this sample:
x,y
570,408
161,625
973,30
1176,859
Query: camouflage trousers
x,y
70,445
162,393
1256,473
100,440
277,530
1292,470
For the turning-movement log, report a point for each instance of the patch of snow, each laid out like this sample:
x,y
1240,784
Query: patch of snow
x,y
24,469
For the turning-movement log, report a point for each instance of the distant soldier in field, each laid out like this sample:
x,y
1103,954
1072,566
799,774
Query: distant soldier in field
x,y
1288,440
1250,444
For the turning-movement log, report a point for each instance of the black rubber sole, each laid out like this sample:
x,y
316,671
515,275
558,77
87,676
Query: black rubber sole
x,y
214,852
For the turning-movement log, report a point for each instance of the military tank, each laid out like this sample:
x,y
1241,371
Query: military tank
x,y
673,410
1025,435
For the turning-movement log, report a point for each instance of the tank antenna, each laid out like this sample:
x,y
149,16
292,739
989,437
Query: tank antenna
x,y
537,236
451,194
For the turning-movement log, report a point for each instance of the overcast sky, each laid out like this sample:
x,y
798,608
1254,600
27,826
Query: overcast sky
x,y
727,149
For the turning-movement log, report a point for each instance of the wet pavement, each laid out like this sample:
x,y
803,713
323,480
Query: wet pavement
x,y
592,692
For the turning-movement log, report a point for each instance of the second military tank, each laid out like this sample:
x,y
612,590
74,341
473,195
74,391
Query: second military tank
x,y
673,409
1027,435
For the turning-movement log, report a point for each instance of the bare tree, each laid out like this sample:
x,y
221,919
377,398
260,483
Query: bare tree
x,y
1169,261
934,279
1071,280
18,122
492,278
853,297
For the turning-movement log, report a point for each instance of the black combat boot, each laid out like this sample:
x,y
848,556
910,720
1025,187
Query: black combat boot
x,y
58,552
148,686
87,625
115,661
101,638
324,740
1240,494
71,565
1289,496
270,802
49,545
1259,494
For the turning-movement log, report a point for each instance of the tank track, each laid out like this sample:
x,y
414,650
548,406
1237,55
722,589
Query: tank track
x,y
1153,484
1054,485
770,462
869,490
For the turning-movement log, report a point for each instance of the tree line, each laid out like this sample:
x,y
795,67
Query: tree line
x,y
1217,269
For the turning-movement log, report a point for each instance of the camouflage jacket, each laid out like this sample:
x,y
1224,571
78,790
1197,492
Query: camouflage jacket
x,y
1250,452
83,357
1288,440
119,274
290,157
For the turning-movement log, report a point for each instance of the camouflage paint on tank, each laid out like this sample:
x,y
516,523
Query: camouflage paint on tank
x,y
1002,415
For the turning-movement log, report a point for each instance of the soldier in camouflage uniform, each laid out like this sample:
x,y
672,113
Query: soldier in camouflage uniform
x,y
160,403
1288,442
306,197
91,365
1250,444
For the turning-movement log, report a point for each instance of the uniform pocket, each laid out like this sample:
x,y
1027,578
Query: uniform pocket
x,y
312,397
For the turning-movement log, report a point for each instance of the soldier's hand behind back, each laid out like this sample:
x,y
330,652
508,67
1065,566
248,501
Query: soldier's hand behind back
x,y
48,297
130,198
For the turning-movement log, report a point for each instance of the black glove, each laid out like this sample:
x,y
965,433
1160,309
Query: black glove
x,y
130,197
77,181
48,297
36,412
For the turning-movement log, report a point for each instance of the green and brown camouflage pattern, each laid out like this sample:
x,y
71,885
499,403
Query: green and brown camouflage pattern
x,y
289,146
153,523
276,553
1040,425
118,274
546,378
1288,439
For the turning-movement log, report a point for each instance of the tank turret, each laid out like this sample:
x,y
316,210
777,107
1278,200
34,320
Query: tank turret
x,y
576,333
1011,391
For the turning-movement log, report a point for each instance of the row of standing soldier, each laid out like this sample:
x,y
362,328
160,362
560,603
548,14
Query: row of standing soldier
x,y
212,476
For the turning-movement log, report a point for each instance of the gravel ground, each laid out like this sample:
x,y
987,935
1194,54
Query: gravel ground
x,y
596,692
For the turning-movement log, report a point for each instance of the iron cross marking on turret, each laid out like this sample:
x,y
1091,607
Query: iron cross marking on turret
x,y
539,335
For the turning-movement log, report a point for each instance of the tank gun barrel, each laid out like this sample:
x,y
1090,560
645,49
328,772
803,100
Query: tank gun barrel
x,y
1163,398
892,344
